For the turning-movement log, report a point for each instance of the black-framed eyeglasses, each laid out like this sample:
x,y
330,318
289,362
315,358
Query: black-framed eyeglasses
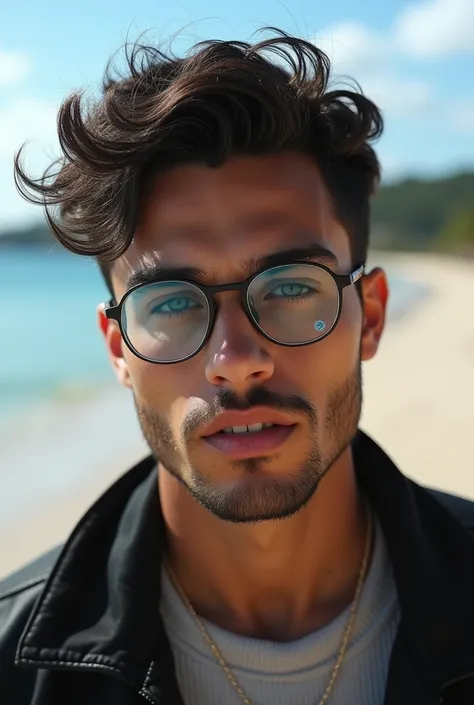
x,y
295,304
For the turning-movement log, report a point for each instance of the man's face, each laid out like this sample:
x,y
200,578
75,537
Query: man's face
x,y
219,220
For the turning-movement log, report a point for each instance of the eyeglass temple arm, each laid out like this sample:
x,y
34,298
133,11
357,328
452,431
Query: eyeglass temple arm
x,y
357,274
108,307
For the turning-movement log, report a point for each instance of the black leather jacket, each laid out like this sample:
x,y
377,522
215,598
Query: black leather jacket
x,y
81,626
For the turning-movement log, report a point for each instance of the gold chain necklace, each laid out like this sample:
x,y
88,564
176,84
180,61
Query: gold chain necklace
x,y
345,639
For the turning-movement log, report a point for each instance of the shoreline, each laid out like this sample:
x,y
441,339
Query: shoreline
x,y
417,392
70,476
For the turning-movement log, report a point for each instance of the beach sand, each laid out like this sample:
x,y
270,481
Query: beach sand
x,y
419,389
418,395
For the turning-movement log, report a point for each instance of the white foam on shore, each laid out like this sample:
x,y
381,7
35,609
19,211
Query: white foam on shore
x,y
58,448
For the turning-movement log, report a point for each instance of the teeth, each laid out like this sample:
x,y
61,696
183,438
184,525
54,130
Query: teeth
x,y
255,427
247,429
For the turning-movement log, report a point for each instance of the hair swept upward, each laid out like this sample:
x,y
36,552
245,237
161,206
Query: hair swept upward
x,y
223,98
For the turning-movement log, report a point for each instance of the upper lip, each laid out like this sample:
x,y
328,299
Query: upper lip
x,y
247,418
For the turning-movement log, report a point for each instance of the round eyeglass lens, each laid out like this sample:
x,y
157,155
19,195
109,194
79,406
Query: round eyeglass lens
x,y
166,321
294,303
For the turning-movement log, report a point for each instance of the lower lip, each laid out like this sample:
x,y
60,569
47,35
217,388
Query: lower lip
x,y
250,444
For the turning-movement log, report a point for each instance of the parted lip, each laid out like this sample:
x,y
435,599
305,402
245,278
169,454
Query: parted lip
x,y
259,414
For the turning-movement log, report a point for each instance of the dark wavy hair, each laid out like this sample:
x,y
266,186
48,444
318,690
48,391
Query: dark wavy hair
x,y
223,98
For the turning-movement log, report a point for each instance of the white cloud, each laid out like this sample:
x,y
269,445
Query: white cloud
x,y
24,119
397,96
353,47
423,30
27,118
357,51
435,28
428,29
463,117
14,66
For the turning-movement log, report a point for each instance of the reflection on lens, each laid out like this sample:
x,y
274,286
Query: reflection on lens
x,y
295,303
166,321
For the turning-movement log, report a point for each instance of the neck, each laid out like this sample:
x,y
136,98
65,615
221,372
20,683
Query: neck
x,y
276,580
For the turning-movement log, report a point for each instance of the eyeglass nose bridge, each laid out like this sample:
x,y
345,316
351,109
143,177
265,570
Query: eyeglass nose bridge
x,y
242,289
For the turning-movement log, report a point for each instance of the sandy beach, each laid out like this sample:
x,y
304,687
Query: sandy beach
x,y
418,405
419,389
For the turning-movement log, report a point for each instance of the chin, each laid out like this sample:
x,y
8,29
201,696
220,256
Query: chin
x,y
258,496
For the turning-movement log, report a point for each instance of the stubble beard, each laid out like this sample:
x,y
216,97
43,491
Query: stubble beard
x,y
257,497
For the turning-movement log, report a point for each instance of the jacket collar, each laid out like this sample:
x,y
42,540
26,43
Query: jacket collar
x,y
432,556
99,607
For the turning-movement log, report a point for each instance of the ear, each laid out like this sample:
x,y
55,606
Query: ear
x,y
114,343
375,296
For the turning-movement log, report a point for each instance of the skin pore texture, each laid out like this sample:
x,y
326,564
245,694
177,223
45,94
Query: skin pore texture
x,y
268,547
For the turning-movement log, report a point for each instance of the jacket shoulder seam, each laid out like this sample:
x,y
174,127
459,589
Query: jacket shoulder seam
x,y
15,589
65,662
61,657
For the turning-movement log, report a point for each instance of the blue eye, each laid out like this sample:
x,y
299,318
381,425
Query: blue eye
x,y
178,304
291,290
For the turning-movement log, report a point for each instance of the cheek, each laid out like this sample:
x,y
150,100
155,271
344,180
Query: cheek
x,y
167,389
156,385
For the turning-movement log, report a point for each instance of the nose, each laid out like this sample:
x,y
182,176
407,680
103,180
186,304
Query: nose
x,y
238,356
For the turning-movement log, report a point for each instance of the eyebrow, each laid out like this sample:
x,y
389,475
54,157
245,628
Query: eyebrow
x,y
157,271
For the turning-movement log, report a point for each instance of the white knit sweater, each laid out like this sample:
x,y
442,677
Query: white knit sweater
x,y
297,672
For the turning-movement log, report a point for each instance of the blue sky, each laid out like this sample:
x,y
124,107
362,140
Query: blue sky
x,y
415,58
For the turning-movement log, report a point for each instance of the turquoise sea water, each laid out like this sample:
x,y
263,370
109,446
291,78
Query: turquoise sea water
x,y
49,343
49,340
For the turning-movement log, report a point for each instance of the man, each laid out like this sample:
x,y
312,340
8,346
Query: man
x,y
267,551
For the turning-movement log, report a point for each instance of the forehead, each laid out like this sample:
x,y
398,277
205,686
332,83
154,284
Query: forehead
x,y
214,218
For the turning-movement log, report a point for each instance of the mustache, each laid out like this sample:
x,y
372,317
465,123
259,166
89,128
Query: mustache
x,y
228,400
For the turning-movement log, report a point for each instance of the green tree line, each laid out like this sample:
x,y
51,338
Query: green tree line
x,y
420,214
